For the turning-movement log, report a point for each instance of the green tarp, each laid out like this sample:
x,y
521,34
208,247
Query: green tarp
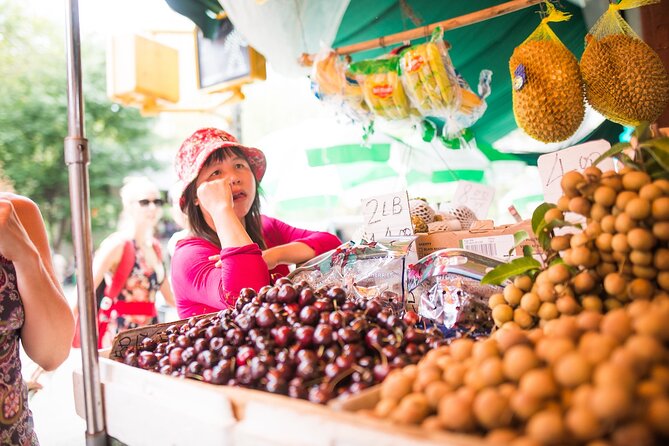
x,y
487,44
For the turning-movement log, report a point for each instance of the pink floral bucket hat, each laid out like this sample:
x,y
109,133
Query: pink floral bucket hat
x,y
195,150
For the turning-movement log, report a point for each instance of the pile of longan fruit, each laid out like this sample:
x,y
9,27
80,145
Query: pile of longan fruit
x,y
621,255
588,379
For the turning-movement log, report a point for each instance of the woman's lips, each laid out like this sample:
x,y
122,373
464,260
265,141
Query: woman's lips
x,y
238,195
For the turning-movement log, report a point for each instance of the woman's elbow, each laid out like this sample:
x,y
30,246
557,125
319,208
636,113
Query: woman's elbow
x,y
54,361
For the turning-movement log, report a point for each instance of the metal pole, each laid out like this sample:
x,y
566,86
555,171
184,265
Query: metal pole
x,y
77,158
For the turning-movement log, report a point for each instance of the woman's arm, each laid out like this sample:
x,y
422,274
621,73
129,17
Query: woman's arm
x,y
294,245
166,291
198,283
48,328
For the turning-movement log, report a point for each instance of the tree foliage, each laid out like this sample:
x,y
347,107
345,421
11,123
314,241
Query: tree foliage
x,y
33,123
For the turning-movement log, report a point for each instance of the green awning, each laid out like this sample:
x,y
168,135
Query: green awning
x,y
485,45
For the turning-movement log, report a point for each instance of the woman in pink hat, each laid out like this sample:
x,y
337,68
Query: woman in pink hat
x,y
231,245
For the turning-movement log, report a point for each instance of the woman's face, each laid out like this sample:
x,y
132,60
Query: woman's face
x,y
147,206
241,178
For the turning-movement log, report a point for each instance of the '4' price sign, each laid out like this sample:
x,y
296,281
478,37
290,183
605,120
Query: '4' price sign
x,y
553,166
386,216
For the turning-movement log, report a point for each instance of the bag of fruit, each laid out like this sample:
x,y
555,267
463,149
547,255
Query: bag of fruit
x,y
382,88
444,287
428,76
331,85
471,106
624,78
547,89
323,270
376,270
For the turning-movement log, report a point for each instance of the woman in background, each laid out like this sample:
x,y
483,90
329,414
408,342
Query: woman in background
x,y
33,309
135,304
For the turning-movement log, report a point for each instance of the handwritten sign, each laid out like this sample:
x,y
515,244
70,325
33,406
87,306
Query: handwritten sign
x,y
477,197
386,216
552,166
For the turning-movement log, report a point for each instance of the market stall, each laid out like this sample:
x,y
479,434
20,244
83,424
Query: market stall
x,y
452,330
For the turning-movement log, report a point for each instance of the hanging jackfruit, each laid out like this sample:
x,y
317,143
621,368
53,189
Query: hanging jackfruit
x,y
624,78
547,86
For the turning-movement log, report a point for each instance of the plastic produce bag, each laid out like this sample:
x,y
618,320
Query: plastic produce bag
x,y
381,87
429,77
323,270
444,287
377,270
332,86
471,106
625,80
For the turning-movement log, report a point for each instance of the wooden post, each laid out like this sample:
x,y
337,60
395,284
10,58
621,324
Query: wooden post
x,y
655,32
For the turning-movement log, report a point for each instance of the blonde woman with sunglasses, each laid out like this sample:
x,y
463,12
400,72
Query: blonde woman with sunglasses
x,y
134,305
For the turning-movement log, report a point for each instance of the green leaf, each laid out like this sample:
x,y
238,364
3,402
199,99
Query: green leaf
x,y
538,215
514,268
660,157
659,143
528,251
614,150
557,260
629,162
658,149
520,237
642,131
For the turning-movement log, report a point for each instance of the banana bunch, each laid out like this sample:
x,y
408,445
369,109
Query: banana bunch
x,y
328,75
385,96
429,78
470,102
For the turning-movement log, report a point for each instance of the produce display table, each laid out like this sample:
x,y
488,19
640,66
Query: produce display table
x,y
146,408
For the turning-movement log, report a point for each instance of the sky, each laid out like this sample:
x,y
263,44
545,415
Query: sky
x,y
107,17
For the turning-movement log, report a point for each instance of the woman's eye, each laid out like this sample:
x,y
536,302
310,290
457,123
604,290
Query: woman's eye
x,y
215,173
240,165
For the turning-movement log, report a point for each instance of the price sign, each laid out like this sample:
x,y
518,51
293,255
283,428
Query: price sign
x,y
386,216
477,197
552,166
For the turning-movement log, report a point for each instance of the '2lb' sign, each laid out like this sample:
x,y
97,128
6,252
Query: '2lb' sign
x,y
386,216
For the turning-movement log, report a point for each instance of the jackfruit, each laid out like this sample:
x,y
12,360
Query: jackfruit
x,y
547,90
624,79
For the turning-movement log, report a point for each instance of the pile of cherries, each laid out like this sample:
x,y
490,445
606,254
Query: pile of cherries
x,y
292,340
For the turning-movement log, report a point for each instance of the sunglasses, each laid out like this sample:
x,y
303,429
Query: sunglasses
x,y
158,202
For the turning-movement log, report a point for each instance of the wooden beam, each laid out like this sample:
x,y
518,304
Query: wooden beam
x,y
425,31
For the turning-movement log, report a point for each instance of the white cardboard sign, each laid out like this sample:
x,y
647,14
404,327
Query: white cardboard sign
x,y
552,166
386,215
477,197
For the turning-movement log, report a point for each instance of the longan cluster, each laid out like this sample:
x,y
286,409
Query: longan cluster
x,y
584,379
625,240
621,255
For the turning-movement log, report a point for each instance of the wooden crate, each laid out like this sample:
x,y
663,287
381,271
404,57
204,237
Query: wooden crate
x,y
146,408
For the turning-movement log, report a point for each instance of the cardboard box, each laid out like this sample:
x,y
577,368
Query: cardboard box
x,y
483,237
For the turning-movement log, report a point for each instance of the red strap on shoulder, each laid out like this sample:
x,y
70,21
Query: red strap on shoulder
x,y
122,271
159,251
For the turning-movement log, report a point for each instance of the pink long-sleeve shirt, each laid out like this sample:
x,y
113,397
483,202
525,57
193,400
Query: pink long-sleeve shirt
x,y
200,287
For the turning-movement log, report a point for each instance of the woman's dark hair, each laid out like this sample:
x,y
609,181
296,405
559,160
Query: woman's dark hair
x,y
199,226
